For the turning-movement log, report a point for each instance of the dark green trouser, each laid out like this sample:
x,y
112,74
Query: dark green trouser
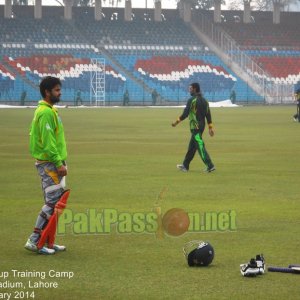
x,y
196,143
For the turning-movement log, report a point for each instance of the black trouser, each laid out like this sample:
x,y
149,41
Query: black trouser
x,y
196,143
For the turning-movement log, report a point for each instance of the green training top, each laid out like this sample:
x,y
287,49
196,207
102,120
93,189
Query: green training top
x,y
47,138
197,109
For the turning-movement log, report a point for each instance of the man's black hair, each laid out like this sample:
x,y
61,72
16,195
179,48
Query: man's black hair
x,y
196,86
48,83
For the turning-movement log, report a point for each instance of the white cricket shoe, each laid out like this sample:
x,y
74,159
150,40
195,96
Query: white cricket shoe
x,y
59,248
30,246
33,247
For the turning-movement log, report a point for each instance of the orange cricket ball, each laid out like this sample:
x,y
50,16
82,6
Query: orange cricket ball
x,y
176,222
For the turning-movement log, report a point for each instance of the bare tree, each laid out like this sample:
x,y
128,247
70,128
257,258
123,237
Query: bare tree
x,y
261,5
86,3
201,4
82,3
235,5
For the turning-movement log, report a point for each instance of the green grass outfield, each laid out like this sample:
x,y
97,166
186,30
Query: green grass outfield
x,y
122,158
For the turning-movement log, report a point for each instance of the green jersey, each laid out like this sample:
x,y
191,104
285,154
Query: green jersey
x,y
197,109
47,139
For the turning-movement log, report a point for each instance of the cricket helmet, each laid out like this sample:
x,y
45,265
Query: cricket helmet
x,y
198,253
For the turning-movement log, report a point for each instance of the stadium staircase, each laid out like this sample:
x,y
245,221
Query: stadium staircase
x,y
274,47
207,38
15,73
13,83
242,64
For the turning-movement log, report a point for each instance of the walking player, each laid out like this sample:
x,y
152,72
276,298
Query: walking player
x,y
297,99
197,109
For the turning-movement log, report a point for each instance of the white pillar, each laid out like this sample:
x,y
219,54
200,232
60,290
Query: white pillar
x,y
98,10
217,11
247,12
128,10
187,13
276,12
38,9
7,9
68,9
180,7
157,11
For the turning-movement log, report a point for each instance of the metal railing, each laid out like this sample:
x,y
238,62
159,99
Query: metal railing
x,y
271,89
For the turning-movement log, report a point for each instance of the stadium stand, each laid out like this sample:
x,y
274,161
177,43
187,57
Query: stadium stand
x,y
275,47
74,72
261,32
140,55
6,82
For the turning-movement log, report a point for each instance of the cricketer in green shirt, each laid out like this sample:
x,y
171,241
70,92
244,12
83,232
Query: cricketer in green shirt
x,y
47,139
48,147
197,109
